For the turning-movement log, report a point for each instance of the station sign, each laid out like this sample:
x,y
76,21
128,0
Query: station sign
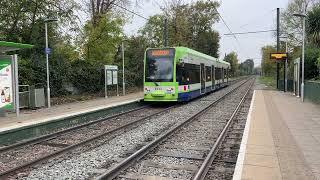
x,y
48,50
278,56
6,83
111,67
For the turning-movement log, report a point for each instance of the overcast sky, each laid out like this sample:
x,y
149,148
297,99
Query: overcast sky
x,y
240,16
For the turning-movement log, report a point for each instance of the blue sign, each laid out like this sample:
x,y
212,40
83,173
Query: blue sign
x,y
48,50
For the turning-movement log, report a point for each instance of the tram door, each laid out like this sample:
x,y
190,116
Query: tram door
x,y
213,79
222,75
202,78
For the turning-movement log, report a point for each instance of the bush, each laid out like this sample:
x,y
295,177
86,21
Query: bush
x,y
311,56
86,77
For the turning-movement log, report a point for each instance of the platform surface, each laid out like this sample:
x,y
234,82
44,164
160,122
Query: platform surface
x,y
281,139
30,117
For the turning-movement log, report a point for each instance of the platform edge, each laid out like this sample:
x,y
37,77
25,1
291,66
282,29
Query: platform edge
x,y
241,155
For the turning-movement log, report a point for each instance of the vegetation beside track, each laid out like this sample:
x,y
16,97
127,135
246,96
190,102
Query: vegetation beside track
x,y
268,81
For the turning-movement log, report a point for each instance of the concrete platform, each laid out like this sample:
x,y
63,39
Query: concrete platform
x,y
29,117
281,139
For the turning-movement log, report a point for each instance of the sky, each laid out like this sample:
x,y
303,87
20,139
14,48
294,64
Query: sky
x,y
239,15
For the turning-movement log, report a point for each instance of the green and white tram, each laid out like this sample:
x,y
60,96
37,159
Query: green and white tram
x,y
181,74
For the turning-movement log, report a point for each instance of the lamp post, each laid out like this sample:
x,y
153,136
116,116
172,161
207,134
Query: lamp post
x,y
303,16
47,51
286,66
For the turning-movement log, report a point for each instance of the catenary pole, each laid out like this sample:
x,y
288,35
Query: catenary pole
x,y
47,66
303,44
278,44
123,80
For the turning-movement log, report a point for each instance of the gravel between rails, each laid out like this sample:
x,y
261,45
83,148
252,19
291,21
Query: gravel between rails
x,y
90,162
226,158
29,152
187,147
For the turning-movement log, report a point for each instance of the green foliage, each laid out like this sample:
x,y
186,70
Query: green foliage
x,y
134,55
247,67
102,40
268,80
189,25
86,77
22,20
311,57
232,58
313,26
153,31
268,66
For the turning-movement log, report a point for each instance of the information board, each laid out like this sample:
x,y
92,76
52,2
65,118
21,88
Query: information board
x,y
115,77
109,77
6,83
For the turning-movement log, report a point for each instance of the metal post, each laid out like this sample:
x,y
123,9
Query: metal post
x,y
117,89
298,74
278,43
105,84
303,43
47,61
123,80
16,83
294,78
286,67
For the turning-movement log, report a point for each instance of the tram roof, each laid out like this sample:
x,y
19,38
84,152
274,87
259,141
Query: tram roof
x,y
200,54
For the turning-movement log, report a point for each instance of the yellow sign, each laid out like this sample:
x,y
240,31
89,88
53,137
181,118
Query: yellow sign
x,y
278,56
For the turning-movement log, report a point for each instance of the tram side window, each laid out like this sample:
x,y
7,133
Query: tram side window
x,y
208,73
188,73
218,73
182,75
194,73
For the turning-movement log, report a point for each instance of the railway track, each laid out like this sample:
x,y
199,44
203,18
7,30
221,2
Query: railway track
x,y
76,141
178,153
222,158
24,154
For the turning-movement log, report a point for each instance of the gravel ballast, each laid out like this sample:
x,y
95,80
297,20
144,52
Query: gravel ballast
x,y
92,162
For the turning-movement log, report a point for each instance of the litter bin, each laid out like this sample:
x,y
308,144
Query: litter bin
x,y
37,98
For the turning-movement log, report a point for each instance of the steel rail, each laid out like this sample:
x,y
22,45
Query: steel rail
x,y
202,172
71,147
115,170
42,138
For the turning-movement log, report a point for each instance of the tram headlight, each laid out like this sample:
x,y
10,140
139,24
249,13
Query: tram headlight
x,y
170,90
146,90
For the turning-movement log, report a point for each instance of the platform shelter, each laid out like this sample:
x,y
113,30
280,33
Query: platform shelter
x,y
9,81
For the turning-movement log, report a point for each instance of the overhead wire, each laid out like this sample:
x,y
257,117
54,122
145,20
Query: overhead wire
x,y
257,18
251,32
139,15
230,31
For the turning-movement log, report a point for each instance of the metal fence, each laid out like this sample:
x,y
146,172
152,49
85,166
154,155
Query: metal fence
x,y
289,85
312,91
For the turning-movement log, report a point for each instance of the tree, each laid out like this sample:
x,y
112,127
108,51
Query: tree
x,y
101,41
311,57
232,58
98,8
313,26
268,66
189,25
22,21
247,67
